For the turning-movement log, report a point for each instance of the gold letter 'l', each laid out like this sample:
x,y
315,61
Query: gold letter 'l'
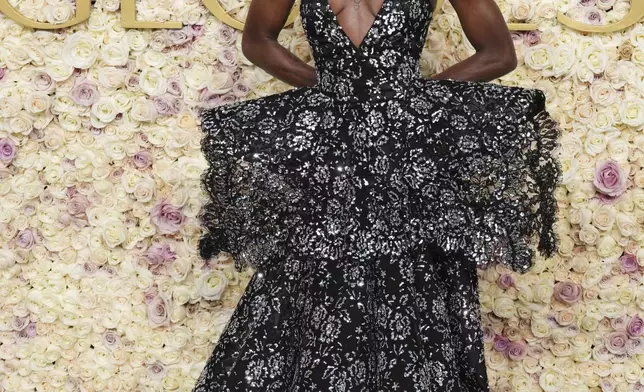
x,y
82,14
128,19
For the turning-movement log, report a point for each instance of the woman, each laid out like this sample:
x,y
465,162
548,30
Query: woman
x,y
367,197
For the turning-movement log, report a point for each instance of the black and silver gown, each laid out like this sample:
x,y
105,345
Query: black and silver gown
x,y
366,204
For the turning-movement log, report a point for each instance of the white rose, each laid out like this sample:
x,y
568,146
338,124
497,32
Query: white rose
x,y
595,143
588,234
632,112
137,40
59,71
603,93
539,57
564,60
198,76
143,110
115,54
79,50
154,59
595,58
7,259
104,109
58,13
523,10
152,82
21,123
211,285
627,225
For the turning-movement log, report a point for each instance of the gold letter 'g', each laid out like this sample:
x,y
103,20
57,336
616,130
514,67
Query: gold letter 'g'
x,y
82,14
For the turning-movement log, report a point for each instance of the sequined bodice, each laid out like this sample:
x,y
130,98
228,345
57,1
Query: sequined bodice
x,y
385,62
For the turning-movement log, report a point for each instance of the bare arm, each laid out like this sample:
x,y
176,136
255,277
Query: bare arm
x,y
264,22
485,28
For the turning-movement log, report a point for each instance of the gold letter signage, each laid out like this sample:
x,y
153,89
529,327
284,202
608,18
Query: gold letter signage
x,y
128,18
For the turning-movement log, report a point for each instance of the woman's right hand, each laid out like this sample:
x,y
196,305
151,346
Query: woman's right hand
x,y
265,20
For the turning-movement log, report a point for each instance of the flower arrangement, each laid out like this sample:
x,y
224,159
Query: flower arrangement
x,y
101,286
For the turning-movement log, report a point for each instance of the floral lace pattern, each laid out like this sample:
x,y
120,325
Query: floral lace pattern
x,y
366,203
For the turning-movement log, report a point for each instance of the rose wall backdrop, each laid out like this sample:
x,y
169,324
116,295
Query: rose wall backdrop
x,y
101,287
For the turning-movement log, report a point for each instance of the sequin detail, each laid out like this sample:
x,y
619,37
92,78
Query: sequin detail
x,y
366,203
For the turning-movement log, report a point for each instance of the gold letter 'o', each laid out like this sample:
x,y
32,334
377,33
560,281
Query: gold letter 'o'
x,y
219,13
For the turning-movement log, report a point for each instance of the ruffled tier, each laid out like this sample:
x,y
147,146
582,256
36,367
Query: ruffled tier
x,y
480,169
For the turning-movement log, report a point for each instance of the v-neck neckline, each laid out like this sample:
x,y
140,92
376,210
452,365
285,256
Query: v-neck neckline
x,y
376,19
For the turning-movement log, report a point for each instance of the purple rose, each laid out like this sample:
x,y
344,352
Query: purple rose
x,y
505,281
587,3
516,350
159,256
195,30
150,294
567,292
132,83
157,370
25,239
616,342
31,331
241,88
634,346
7,150
228,56
167,217
84,93
179,37
111,339
20,323
142,159
77,205
609,178
628,263
159,312
594,17
532,38
3,73
635,326
89,268
166,104
43,82
174,87
226,35
501,343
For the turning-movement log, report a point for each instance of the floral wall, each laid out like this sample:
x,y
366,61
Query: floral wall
x,y
101,287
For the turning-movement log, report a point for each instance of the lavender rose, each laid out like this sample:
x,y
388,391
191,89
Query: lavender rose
x,y
635,326
3,73
517,350
111,339
43,82
628,263
85,93
567,292
157,370
166,105
159,312
7,150
77,205
150,294
505,281
142,159
532,38
25,239
179,37
501,343
159,255
616,342
594,17
20,323
167,217
609,178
